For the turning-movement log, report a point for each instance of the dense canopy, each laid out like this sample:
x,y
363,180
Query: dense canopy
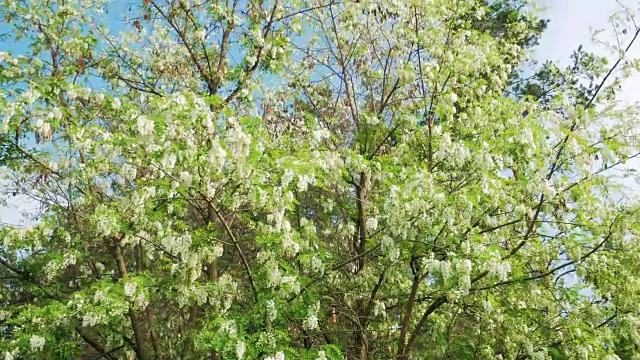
x,y
293,179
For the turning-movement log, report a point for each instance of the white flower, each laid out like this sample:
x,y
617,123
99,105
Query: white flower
x,y
11,355
69,259
201,34
379,308
487,161
445,269
228,327
90,319
208,123
130,288
321,355
272,312
240,349
289,246
51,269
319,135
503,271
210,191
386,243
465,247
304,181
99,296
274,277
217,154
445,142
37,342
453,97
611,357
128,171
287,177
141,301
520,210
316,264
573,147
292,282
394,253
372,120
145,126
186,178
466,265
55,114
44,129
72,94
487,306
548,190
218,250
99,266
526,136
278,356
372,224
311,322
30,96
116,103
179,99
169,161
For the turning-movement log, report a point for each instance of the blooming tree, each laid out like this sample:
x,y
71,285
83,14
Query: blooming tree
x,y
314,180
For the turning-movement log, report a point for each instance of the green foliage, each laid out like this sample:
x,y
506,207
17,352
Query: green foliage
x,y
295,180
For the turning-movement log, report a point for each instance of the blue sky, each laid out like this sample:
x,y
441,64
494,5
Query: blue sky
x,y
572,23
